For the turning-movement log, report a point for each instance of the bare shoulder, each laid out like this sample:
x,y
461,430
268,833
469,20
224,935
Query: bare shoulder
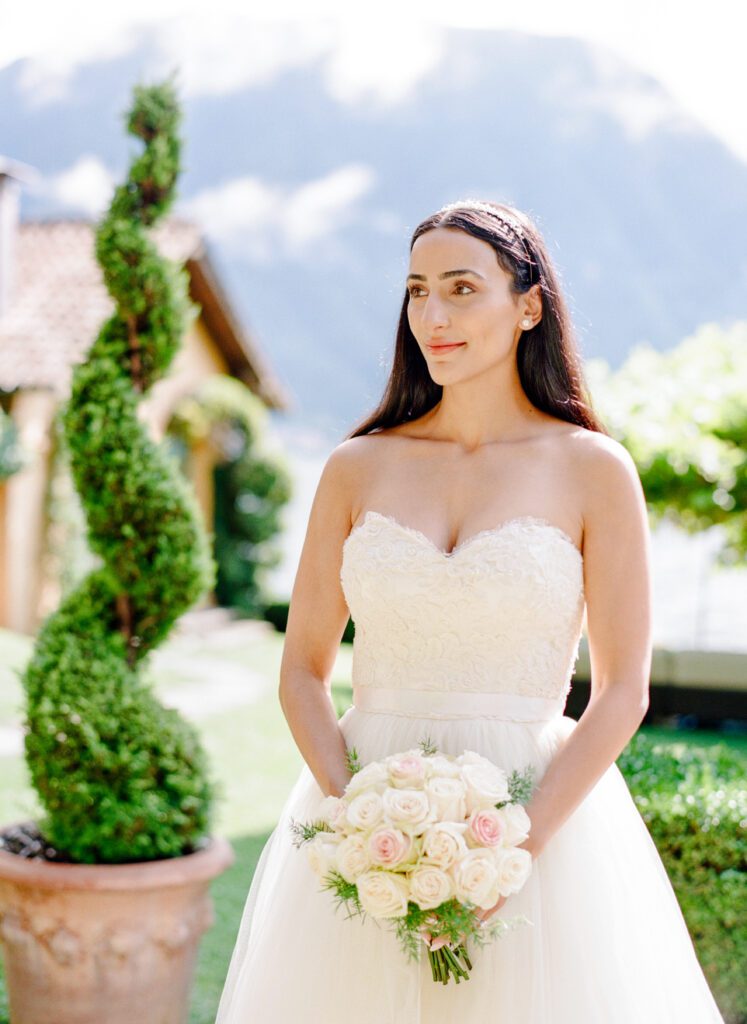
x,y
590,459
611,494
355,455
606,467
350,451
348,466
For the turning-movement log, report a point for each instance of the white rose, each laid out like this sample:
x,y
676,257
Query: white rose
x,y
352,857
487,785
513,868
517,823
439,764
322,852
430,886
407,809
374,775
471,757
383,893
448,798
326,806
444,844
475,877
365,811
332,810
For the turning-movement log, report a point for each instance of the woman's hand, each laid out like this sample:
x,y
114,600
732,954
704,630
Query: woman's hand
x,y
481,916
484,915
533,846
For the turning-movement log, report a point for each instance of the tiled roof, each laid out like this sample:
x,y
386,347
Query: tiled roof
x,y
59,302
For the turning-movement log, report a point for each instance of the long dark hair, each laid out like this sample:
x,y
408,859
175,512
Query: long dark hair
x,y
547,355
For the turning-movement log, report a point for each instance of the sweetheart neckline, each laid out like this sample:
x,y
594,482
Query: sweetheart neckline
x,y
513,521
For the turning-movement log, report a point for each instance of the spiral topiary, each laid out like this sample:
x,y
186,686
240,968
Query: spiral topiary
x,y
120,777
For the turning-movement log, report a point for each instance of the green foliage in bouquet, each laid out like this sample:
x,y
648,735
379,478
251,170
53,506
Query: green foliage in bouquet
x,y
120,777
682,415
694,802
252,485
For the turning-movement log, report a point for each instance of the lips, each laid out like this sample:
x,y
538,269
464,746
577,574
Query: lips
x,y
447,347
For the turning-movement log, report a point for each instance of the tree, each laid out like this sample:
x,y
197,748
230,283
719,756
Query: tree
x,y
682,415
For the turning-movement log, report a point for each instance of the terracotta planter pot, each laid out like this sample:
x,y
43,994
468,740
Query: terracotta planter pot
x,y
105,944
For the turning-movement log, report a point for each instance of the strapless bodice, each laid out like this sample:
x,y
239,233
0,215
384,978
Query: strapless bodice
x,y
501,614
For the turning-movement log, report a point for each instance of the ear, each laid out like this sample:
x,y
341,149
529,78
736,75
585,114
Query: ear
x,y
532,304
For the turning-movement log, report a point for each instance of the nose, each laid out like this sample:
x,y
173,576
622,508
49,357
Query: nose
x,y
433,313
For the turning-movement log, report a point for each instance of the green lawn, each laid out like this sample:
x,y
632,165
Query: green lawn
x,y
253,755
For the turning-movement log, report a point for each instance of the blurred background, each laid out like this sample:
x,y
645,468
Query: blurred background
x,y
314,143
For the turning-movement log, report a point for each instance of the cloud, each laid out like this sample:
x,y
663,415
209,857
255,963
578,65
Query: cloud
x,y
52,52
637,101
268,222
381,58
86,186
361,57
382,61
219,56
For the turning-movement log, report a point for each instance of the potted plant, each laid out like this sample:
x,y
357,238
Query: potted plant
x,y
103,902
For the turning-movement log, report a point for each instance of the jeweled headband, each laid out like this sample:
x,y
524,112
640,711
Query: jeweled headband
x,y
477,204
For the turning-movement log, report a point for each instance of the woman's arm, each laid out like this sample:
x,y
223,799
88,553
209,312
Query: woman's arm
x,y
618,613
317,616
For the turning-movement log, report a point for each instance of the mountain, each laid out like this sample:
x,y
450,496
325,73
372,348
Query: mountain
x,y
309,201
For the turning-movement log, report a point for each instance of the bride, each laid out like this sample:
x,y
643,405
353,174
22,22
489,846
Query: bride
x,y
468,525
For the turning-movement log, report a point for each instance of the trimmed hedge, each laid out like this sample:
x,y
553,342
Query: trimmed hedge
x,y
694,802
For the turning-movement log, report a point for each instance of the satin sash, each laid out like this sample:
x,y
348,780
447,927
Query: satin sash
x,y
512,707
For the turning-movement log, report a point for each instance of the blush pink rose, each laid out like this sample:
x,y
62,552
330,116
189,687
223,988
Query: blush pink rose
x,y
407,771
486,827
388,846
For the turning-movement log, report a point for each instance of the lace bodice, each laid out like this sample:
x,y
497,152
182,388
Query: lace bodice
x,y
500,613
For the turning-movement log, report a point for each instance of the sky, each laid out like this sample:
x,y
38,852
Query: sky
x,y
694,50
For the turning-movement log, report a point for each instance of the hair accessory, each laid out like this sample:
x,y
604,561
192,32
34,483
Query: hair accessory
x,y
478,204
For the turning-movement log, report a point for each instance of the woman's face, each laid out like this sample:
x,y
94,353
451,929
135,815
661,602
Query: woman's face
x,y
460,293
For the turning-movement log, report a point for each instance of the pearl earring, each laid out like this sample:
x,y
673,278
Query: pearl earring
x,y
526,323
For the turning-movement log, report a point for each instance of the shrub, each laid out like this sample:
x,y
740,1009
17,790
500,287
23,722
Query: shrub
x,y
252,483
120,777
694,802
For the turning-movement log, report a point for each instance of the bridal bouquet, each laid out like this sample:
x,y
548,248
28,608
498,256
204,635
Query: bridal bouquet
x,y
422,838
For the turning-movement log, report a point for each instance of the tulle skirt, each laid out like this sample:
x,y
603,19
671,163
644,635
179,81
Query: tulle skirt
x,y
606,943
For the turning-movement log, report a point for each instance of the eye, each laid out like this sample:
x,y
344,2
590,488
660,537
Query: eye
x,y
460,284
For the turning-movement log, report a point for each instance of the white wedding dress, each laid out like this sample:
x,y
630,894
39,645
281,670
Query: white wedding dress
x,y
475,650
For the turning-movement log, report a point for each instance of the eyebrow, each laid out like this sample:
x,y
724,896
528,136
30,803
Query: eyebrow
x,y
446,273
